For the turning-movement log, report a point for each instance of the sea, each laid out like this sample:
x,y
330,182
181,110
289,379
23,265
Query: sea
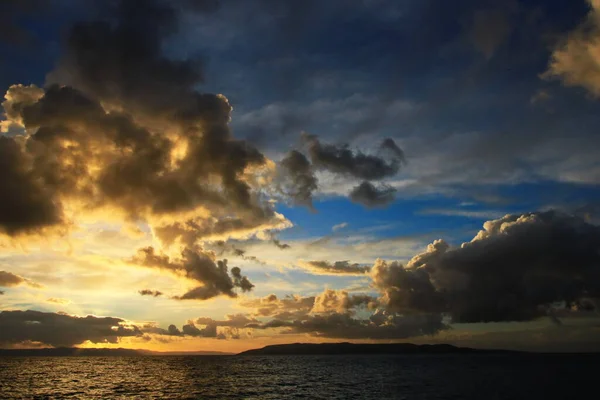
x,y
484,377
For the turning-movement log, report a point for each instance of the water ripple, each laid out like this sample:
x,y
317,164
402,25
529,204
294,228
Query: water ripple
x,y
282,377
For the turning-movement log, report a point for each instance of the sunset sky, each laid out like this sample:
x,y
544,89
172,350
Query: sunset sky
x,y
227,174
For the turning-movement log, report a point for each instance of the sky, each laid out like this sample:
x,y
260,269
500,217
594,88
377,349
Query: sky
x,y
223,174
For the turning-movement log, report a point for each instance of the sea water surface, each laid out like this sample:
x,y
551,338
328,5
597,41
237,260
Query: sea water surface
x,y
483,377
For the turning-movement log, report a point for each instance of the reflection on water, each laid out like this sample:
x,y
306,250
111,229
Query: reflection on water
x,y
282,377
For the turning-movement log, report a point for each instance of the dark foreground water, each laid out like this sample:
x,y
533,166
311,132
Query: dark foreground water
x,y
314,377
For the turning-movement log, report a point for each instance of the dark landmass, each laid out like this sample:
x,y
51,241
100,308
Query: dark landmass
x,y
76,352
355,348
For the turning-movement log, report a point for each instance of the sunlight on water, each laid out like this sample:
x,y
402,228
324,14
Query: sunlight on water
x,y
282,377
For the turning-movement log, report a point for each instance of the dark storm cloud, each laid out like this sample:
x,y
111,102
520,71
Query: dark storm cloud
x,y
240,281
332,314
148,292
26,206
373,196
123,127
298,179
343,160
61,329
118,58
201,267
344,326
513,270
209,331
518,268
336,268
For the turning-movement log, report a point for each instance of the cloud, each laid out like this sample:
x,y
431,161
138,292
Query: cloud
x,y
479,214
281,246
289,307
210,228
199,266
298,181
331,314
298,307
148,292
336,268
27,206
353,116
342,160
405,290
371,196
61,329
344,326
130,136
339,227
8,279
229,328
512,270
341,302
225,247
451,151
232,321
58,300
576,59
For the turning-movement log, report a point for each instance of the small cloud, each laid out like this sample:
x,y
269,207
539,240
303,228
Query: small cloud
x,y
336,268
280,245
148,292
540,96
58,300
478,214
339,227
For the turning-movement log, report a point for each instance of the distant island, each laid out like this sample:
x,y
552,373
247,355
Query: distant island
x,y
78,352
362,348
